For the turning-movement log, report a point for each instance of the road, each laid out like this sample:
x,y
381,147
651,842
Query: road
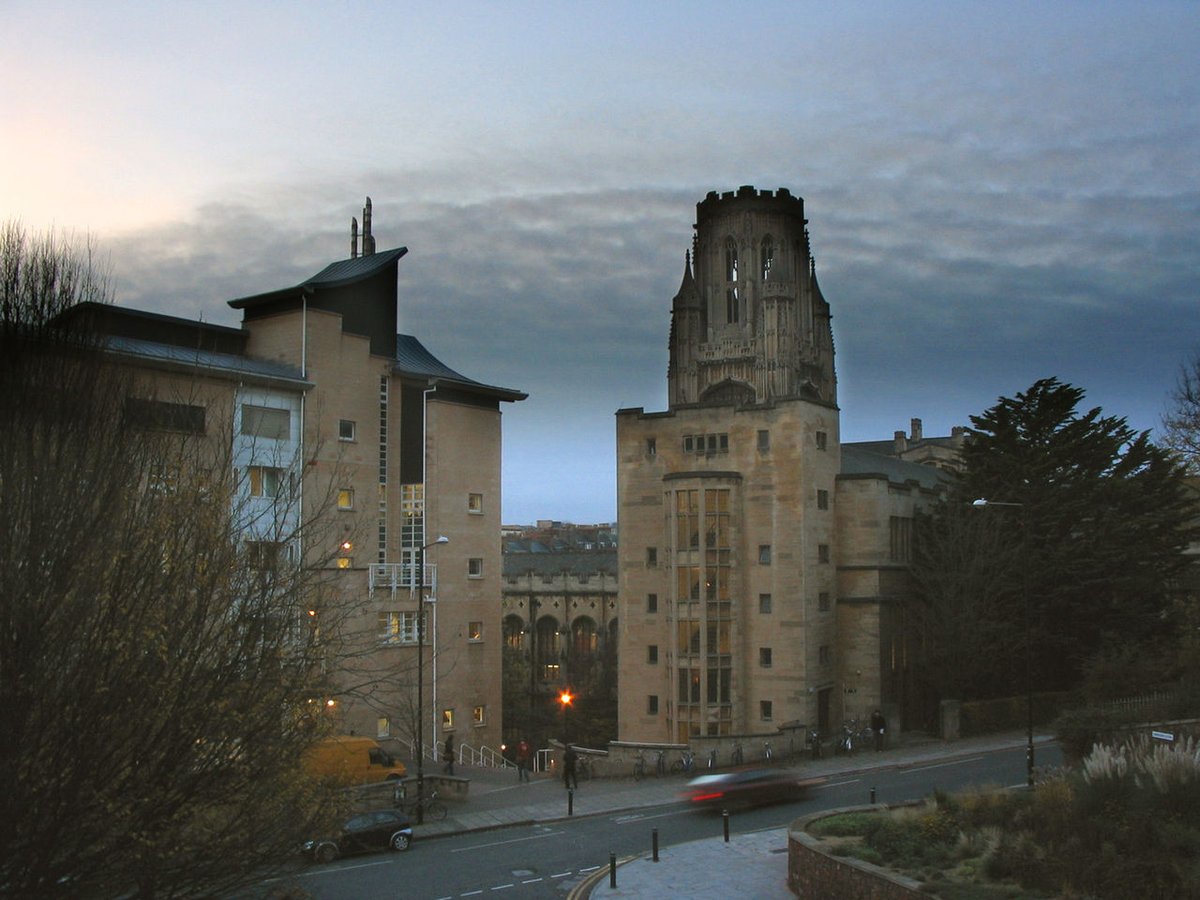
x,y
547,860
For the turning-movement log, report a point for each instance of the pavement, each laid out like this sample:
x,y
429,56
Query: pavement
x,y
752,864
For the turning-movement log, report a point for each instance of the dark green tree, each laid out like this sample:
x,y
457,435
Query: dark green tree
x,y
1087,519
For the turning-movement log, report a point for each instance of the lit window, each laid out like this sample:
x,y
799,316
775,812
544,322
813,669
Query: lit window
x,y
477,715
764,603
764,554
764,657
475,504
345,498
475,567
264,481
398,627
447,719
345,562
266,422
764,710
347,430
383,727
475,631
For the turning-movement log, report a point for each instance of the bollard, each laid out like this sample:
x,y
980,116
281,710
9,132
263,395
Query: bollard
x,y
570,801
725,823
654,843
872,796
612,870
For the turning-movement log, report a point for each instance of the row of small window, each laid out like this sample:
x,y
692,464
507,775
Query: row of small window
x,y
345,501
719,443
764,603
765,708
383,725
400,627
824,655
764,550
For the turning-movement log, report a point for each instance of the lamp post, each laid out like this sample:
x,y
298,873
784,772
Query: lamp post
x,y
983,504
565,699
420,576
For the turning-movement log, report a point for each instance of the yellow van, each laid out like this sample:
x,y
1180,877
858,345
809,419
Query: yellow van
x,y
351,760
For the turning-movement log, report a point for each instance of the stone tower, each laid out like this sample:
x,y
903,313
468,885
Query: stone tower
x,y
727,558
749,325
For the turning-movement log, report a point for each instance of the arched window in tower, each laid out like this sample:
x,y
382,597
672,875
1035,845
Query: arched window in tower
x,y
514,632
768,258
583,636
731,282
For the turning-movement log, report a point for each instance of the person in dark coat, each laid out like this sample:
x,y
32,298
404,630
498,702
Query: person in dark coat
x,y
448,756
523,760
879,726
570,777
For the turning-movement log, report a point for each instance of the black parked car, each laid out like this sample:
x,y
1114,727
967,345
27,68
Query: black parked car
x,y
381,829
747,787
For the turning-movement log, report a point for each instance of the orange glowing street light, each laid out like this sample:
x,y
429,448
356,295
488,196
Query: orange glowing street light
x,y
566,698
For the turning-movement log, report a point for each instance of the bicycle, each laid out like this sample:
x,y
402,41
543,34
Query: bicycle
x,y
712,758
639,767
583,767
768,753
433,808
814,743
735,758
660,765
685,764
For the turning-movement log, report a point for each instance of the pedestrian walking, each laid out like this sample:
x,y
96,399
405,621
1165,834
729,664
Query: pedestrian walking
x,y
448,756
523,760
879,726
570,760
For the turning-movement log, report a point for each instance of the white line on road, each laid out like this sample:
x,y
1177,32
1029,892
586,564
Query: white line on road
x,y
471,893
562,874
531,880
503,887
588,869
953,762
532,837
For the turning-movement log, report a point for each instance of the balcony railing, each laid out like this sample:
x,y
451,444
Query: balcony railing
x,y
397,577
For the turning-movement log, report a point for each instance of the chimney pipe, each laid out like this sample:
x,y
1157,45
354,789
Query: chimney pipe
x,y
353,238
915,426
899,442
368,240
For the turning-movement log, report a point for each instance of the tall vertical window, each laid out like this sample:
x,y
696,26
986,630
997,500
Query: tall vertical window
x,y
768,258
475,567
475,504
651,556
345,498
652,603
764,710
265,481
764,554
822,499
822,440
478,715
731,279
764,603
822,553
900,548
764,440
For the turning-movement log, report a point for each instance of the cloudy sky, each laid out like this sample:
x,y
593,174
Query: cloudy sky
x,y
997,192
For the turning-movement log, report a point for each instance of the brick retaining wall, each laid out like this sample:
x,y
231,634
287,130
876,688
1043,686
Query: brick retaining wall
x,y
814,874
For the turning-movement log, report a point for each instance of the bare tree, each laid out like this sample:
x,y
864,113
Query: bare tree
x,y
157,672
1181,424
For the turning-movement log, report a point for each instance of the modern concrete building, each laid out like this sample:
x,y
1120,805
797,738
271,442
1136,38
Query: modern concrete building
x,y
762,564
324,401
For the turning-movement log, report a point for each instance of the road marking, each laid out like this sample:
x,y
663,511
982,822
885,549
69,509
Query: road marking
x,y
503,887
562,874
471,893
532,837
531,881
588,869
953,762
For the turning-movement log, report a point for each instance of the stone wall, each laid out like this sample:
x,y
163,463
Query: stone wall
x,y
814,874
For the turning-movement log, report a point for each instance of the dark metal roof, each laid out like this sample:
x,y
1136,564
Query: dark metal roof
x,y
413,360
224,364
336,274
858,461
602,562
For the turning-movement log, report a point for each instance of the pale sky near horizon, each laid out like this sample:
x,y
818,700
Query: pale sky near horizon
x,y
997,192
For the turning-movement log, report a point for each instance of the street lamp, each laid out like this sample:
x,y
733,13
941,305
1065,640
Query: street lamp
x,y
981,503
420,575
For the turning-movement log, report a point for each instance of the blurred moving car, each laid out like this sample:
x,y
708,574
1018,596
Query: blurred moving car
x,y
381,829
747,787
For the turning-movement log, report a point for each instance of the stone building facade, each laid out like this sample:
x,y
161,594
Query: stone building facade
x,y
761,563
323,399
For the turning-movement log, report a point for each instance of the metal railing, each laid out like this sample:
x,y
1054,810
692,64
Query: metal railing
x,y
395,577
